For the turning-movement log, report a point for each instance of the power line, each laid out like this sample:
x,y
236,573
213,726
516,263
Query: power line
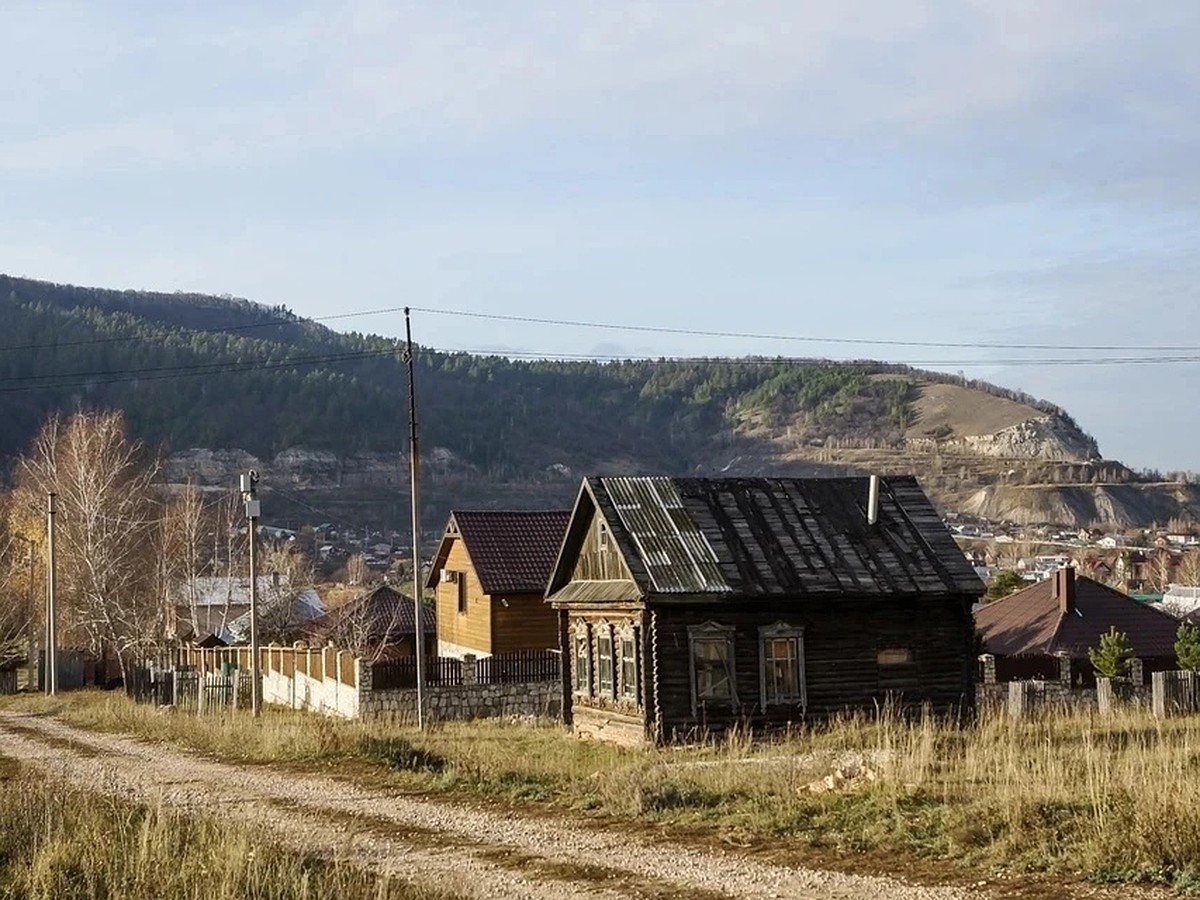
x,y
644,329
878,342
223,329
21,384
206,368
169,372
831,363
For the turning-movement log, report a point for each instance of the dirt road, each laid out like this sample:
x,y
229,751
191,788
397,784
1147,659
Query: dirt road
x,y
472,851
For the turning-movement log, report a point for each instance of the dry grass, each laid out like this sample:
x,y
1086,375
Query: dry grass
x,y
59,843
1113,799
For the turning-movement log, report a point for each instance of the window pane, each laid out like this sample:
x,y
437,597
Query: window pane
x,y
628,668
582,665
781,663
604,660
711,661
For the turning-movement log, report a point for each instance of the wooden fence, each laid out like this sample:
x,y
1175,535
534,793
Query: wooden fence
x,y
401,673
523,665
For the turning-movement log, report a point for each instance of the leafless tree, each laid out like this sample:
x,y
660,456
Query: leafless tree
x,y
106,527
369,626
182,560
1188,572
229,549
356,569
287,573
17,584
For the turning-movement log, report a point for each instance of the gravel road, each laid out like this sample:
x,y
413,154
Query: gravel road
x,y
469,850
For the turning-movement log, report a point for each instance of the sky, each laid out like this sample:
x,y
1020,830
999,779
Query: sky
x,y
992,174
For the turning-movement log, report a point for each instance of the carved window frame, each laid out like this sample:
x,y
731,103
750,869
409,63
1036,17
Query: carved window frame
x,y
712,636
603,634
627,689
581,659
768,637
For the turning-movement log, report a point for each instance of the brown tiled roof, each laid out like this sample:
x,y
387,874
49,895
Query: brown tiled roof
x,y
772,537
1032,622
381,614
512,551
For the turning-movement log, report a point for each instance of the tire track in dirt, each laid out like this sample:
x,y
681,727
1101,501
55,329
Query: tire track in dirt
x,y
472,851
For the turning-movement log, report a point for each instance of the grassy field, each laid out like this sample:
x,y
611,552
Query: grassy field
x,y
1113,799
58,843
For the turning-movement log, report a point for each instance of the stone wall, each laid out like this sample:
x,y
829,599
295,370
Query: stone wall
x,y
478,701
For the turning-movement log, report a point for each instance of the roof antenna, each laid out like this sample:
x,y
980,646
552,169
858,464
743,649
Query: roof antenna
x,y
873,500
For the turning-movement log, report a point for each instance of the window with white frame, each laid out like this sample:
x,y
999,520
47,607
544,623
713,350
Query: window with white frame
x,y
781,650
583,661
712,669
627,646
605,669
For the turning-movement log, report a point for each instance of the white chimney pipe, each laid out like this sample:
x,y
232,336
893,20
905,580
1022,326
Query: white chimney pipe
x,y
873,501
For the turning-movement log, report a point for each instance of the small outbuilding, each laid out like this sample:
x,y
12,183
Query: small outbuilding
x,y
690,605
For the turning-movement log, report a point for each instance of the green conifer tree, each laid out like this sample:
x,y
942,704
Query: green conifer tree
x,y
1110,658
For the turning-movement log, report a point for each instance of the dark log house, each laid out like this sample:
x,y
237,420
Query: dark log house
x,y
689,605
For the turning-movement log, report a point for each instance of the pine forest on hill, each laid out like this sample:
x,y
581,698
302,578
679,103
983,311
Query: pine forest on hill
x,y
192,370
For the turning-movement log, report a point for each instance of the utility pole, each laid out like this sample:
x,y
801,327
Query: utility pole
x,y
249,486
51,598
414,473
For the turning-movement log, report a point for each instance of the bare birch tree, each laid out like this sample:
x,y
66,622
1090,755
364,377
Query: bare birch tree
x,y
356,569
183,535
106,528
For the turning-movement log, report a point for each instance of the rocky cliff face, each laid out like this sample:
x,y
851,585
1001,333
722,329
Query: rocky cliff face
x,y
1050,437
1119,505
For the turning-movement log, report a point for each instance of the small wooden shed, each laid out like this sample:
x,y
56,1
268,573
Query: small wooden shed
x,y
689,605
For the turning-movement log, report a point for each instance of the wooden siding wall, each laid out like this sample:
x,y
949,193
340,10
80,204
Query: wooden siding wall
x,y
595,564
527,622
842,640
474,629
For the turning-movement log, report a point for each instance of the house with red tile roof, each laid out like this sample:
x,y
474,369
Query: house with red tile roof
x,y
1065,615
489,577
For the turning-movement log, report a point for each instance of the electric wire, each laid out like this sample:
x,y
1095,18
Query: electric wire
x,y
645,329
53,381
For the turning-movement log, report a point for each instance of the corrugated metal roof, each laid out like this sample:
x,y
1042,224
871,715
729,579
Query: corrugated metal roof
x,y
778,536
676,554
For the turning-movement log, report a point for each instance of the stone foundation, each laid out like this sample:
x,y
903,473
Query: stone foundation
x,y
476,701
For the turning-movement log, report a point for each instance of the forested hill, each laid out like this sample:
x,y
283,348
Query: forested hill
x,y
200,371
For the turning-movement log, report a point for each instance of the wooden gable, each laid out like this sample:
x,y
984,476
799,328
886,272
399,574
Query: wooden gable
x,y
599,558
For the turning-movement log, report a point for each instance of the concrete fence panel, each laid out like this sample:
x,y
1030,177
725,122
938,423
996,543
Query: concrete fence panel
x,y
1025,697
